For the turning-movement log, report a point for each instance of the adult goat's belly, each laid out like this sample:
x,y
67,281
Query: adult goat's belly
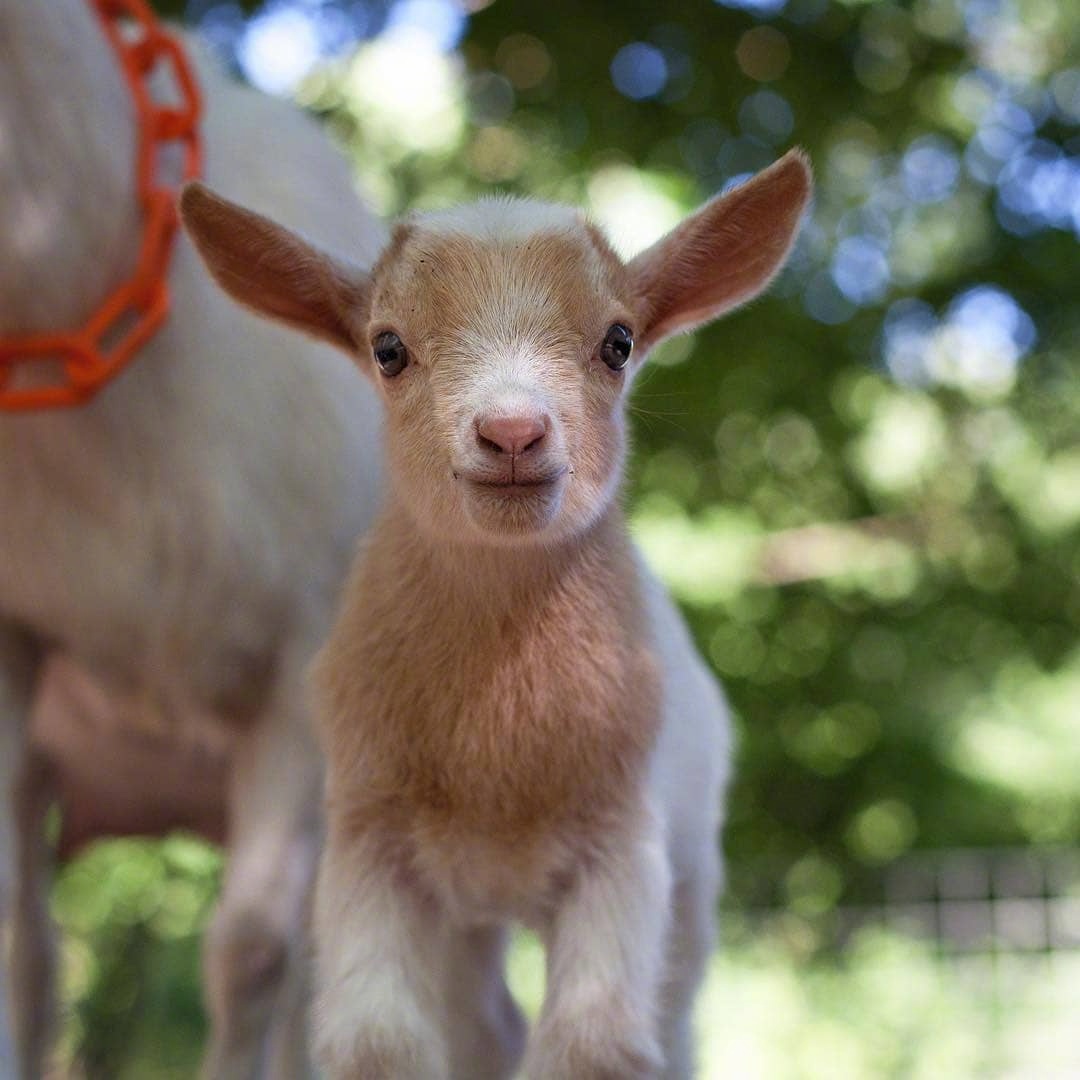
x,y
118,769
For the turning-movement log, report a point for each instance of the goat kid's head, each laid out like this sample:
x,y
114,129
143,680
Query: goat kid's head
x,y
503,335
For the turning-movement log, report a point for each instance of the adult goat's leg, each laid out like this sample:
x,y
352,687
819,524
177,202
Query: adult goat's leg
x,y
259,930
289,1049
23,880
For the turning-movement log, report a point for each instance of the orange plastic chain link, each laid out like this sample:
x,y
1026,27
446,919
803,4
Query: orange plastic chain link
x,y
87,358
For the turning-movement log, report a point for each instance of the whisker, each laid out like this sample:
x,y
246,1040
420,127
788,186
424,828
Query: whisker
x,y
667,416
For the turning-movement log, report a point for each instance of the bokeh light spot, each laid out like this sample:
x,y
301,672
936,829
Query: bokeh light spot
x,y
767,115
757,7
763,53
860,269
639,70
930,169
524,60
441,22
882,831
279,48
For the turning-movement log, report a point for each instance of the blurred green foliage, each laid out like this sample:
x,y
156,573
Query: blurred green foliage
x,y
864,488
132,913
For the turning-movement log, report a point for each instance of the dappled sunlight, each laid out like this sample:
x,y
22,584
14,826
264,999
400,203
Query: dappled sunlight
x,y
634,206
1020,734
765,1013
132,912
408,92
890,1008
278,49
702,561
904,443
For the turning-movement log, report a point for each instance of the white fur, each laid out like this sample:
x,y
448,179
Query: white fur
x,y
182,537
386,964
501,218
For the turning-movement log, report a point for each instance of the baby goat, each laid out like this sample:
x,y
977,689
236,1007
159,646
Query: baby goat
x,y
517,725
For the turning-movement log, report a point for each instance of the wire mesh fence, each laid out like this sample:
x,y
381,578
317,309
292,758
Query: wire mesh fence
x,y
966,965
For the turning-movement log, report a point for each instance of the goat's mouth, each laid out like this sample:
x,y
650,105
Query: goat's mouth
x,y
517,485
518,504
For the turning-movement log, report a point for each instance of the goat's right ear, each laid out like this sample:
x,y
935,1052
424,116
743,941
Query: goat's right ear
x,y
273,271
724,254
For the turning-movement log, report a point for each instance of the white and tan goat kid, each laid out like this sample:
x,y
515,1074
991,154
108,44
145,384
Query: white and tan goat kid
x,y
517,725
181,539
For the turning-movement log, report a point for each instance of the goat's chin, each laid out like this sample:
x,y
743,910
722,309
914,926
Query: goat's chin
x,y
513,515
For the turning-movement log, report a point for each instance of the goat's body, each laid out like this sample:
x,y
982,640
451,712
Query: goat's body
x,y
181,537
515,721
149,502
551,688
497,728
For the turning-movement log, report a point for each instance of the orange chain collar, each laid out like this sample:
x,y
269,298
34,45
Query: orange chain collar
x,y
87,358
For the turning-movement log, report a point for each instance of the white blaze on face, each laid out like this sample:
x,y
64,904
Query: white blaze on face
x,y
513,323
501,220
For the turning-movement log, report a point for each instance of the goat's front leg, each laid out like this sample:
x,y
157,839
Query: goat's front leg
x,y
605,966
257,939
380,956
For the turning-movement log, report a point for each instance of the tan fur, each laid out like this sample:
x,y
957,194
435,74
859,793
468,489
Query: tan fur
x,y
557,673
515,723
681,281
547,299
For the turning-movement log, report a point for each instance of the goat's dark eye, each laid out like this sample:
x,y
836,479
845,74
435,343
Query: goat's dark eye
x,y
618,344
390,353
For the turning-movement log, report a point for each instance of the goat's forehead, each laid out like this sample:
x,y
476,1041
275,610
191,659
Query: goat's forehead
x,y
467,269
501,219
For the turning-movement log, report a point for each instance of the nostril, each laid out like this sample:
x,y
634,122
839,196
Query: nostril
x,y
516,434
536,442
489,444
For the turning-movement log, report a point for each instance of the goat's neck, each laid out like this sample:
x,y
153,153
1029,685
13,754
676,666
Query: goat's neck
x,y
492,581
518,681
69,220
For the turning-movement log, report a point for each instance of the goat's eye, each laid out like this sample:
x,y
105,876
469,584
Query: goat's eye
x,y
618,344
390,353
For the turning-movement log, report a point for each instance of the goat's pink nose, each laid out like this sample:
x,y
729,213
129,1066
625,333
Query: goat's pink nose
x,y
514,434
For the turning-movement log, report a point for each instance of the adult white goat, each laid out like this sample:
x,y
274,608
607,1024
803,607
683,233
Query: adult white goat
x,y
180,540
516,724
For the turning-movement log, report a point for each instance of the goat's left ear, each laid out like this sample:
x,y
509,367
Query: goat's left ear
x,y
725,253
274,271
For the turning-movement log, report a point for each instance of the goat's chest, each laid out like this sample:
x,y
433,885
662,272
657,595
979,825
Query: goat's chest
x,y
513,731
493,737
